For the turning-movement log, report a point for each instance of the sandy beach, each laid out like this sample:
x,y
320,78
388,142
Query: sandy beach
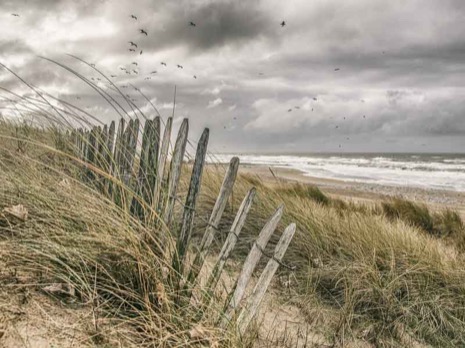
x,y
360,191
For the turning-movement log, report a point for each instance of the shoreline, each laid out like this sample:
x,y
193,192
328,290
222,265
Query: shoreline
x,y
361,191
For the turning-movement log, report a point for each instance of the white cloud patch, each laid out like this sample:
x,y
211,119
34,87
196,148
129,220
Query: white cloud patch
x,y
214,103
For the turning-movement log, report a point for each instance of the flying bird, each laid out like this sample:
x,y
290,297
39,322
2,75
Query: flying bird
x,y
133,43
142,31
337,69
163,63
134,17
112,75
296,107
15,15
283,23
192,24
135,72
315,99
135,63
154,72
289,110
122,68
92,65
180,66
132,50
147,78
195,77
260,74
140,52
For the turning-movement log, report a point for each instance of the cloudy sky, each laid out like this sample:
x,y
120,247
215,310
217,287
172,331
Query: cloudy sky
x,y
341,75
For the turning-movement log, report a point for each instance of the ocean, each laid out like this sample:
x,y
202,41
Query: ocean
x,y
433,171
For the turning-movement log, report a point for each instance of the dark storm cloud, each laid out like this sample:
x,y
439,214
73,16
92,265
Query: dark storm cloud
x,y
402,66
216,24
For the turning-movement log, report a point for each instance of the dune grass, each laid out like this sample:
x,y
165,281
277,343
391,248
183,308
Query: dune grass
x,y
388,275
75,236
361,274
370,273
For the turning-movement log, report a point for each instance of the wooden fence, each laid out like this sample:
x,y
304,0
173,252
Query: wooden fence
x,y
147,182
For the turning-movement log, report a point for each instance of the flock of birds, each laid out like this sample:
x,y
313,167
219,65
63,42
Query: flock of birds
x,y
133,68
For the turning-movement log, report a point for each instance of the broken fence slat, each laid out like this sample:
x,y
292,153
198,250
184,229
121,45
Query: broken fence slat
x,y
253,302
250,263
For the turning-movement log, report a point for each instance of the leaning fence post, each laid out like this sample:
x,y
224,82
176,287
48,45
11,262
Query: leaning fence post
x,y
232,238
191,199
250,309
250,264
175,170
215,217
227,248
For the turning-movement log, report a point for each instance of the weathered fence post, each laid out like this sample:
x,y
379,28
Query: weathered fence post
x,y
250,309
147,166
175,170
152,162
131,144
161,164
215,217
250,264
231,239
191,200
108,148
91,151
115,158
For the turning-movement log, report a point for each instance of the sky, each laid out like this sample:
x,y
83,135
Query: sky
x,y
339,76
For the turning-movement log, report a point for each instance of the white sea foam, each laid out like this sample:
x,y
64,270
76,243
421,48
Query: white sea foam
x,y
427,171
